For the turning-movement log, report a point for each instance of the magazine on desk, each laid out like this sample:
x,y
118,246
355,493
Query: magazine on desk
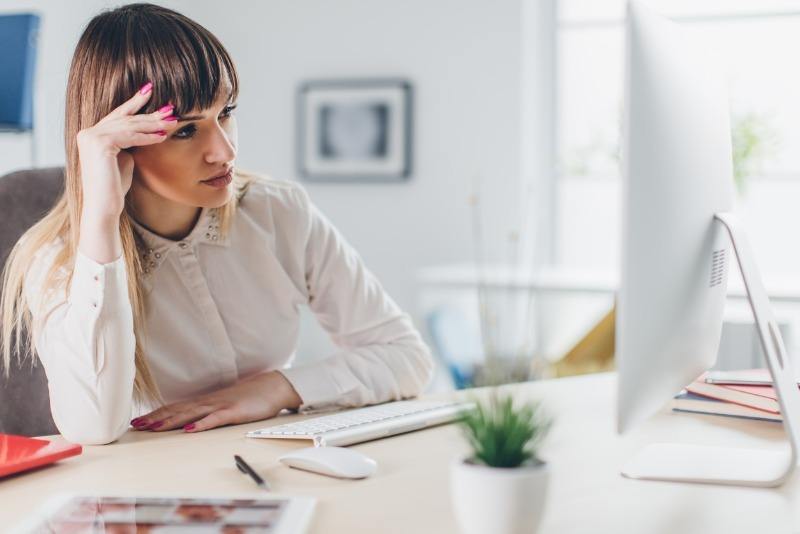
x,y
93,514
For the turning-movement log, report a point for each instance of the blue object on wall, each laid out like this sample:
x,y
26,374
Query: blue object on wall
x,y
18,39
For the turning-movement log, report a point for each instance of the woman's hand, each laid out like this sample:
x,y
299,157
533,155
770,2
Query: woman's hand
x,y
107,170
252,399
106,166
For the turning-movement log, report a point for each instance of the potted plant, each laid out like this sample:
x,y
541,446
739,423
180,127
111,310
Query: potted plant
x,y
500,487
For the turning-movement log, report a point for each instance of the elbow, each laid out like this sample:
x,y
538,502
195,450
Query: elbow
x,y
91,435
90,429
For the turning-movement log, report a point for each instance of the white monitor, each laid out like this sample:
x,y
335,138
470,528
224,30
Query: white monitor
x,y
677,236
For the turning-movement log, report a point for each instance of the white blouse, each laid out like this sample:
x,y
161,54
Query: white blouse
x,y
222,308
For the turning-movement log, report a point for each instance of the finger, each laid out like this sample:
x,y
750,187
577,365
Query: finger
x,y
224,416
144,124
142,139
148,124
164,113
188,415
156,416
133,104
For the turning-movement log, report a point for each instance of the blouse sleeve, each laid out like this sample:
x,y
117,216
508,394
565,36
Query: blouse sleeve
x,y
382,357
86,344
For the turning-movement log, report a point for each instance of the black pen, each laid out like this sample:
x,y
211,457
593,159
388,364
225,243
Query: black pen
x,y
247,470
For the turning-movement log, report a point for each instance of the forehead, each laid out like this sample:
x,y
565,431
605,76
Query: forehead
x,y
224,95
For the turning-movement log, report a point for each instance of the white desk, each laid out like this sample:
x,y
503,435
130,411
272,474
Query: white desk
x,y
410,493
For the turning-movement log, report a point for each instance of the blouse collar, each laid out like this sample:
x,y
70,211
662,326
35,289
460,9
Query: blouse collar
x,y
156,247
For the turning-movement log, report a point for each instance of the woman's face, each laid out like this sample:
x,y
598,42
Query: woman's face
x,y
203,145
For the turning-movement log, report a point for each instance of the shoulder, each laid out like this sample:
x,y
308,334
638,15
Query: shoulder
x,y
280,198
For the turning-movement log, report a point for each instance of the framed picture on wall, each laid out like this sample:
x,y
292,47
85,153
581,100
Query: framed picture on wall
x,y
354,130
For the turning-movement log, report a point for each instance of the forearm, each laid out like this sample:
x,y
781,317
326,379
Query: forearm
x,y
99,236
87,346
369,374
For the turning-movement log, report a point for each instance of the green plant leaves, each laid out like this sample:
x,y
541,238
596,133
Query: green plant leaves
x,y
502,435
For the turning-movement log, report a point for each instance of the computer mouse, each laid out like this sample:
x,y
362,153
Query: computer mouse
x,y
337,462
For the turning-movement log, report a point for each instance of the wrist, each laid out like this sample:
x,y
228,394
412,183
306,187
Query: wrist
x,y
100,239
105,218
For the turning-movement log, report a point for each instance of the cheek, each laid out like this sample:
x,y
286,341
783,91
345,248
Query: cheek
x,y
161,170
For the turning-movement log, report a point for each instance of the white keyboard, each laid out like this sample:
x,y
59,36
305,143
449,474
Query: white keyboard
x,y
364,424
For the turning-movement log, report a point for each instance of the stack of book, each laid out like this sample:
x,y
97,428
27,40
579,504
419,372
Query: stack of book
x,y
748,394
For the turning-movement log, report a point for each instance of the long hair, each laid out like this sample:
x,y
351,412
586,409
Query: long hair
x,y
117,53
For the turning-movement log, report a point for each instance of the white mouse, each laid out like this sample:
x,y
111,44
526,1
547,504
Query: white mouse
x,y
332,461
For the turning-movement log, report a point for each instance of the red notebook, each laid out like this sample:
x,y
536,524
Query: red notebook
x,y
18,453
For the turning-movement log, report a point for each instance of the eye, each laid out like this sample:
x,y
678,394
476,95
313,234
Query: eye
x,y
185,133
227,111
188,132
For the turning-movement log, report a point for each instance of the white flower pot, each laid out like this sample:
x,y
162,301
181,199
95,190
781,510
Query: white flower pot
x,y
498,500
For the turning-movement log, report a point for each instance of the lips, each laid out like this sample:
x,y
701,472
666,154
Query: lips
x,y
219,181
223,175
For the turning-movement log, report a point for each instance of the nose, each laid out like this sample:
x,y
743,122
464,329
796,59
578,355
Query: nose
x,y
222,146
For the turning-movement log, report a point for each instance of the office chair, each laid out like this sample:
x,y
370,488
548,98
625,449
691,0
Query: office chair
x,y
25,197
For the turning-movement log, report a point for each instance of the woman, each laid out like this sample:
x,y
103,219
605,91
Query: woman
x,y
166,283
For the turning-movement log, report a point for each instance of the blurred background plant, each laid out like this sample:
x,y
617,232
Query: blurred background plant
x,y
754,139
505,312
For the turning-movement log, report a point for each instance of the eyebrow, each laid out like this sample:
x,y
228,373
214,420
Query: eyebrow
x,y
190,118
195,117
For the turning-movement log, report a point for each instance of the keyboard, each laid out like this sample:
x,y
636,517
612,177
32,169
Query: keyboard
x,y
364,424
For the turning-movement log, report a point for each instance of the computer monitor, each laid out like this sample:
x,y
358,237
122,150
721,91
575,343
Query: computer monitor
x,y
678,234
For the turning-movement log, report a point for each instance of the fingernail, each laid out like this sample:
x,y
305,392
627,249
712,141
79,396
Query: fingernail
x,y
161,132
166,108
138,423
146,88
157,424
171,118
136,420
190,426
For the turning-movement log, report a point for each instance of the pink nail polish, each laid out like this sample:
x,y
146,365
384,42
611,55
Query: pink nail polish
x,y
157,424
190,426
168,107
146,88
170,118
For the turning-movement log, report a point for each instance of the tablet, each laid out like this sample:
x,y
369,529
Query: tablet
x,y
18,453
92,514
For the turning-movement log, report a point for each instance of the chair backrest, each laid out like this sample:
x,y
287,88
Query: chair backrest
x,y
25,197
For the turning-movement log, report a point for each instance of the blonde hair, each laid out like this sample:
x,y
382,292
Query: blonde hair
x,y
117,53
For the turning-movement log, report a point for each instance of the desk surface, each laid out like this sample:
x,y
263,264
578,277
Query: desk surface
x,y
411,493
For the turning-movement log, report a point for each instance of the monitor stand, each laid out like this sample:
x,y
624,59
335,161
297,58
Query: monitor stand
x,y
725,465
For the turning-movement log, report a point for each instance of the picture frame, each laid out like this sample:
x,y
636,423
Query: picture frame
x,y
354,130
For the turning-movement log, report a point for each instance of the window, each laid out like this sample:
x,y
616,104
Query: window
x,y
756,42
